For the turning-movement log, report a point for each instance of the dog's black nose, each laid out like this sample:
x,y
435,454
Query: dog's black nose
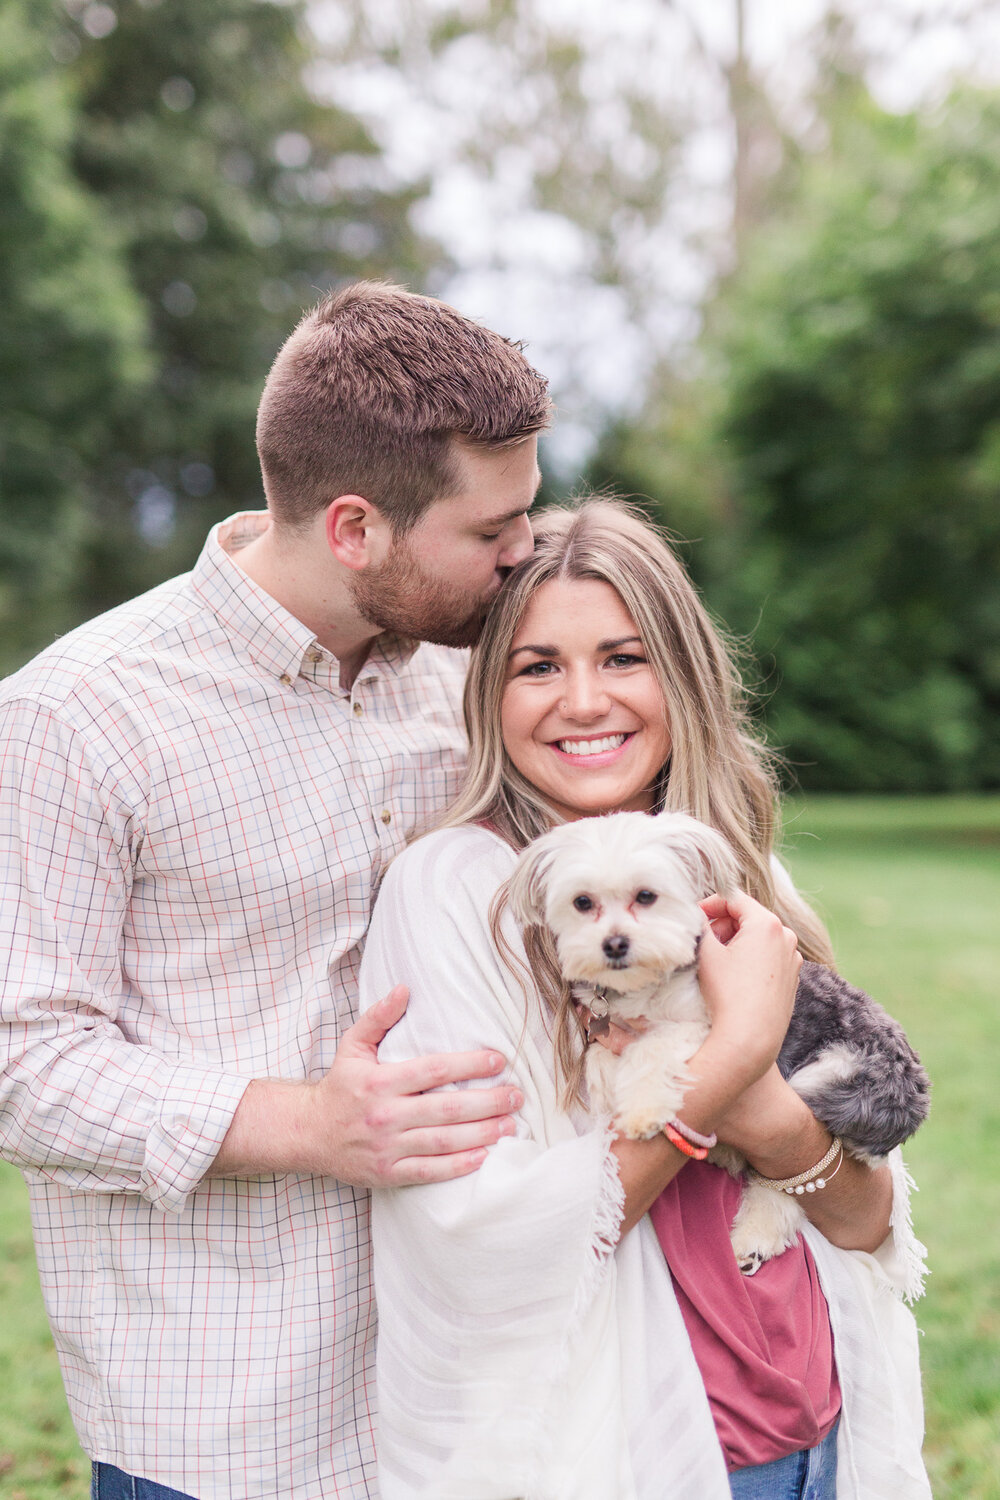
x,y
615,946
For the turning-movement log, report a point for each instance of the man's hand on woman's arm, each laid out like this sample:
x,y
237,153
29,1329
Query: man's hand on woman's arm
x,y
369,1123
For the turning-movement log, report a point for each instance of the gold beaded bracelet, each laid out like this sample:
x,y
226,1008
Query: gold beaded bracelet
x,y
811,1181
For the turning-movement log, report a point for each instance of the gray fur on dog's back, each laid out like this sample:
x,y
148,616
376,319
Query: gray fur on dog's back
x,y
869,1087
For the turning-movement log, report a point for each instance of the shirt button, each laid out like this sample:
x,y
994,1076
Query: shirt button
x,y
285,679
386,815
315,656
358,709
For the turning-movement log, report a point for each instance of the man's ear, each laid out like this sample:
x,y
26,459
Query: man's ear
x,y
356,533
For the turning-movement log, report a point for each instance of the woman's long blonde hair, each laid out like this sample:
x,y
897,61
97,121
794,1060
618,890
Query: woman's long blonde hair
x,y
718,770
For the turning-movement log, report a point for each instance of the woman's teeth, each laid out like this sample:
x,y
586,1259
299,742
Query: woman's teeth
x,y
592,747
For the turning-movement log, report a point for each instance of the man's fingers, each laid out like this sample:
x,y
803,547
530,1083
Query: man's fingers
x,y
439,1069
369,1029
454,1107
414,1170
452,1129
453,1140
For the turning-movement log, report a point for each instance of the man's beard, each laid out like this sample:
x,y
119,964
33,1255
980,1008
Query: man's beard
x,y
398,596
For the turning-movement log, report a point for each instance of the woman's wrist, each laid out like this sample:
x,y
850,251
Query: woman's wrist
x,y
722,1074
774,1128
767,1119
787,1141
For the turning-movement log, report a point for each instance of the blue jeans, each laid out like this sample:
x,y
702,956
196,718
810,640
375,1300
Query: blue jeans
x,y
811,1475
109,1483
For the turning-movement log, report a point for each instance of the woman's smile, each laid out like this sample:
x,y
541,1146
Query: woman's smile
x,y
595,752
583,717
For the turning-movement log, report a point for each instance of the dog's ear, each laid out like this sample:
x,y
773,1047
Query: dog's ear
x,y
704,852
526,888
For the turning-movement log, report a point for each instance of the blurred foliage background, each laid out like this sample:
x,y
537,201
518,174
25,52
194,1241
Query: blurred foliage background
x,y
815,418
764,277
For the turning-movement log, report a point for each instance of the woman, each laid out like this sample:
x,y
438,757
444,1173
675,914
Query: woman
x,y
534,1342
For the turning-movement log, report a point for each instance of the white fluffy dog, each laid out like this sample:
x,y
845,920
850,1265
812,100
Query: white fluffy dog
x,y
620,896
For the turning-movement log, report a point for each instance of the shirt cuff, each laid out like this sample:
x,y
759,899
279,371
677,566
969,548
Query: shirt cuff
x,y
196,1111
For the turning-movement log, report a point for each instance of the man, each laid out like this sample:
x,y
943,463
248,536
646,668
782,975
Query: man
x,y
198,794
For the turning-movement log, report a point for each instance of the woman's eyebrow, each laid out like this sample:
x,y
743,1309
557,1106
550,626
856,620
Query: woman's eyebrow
x,y
625,640
538,650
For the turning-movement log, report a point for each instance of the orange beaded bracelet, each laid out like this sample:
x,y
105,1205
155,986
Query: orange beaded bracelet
x,y
696,1153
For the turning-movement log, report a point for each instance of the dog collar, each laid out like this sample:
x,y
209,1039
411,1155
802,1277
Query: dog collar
x,y
599,1015
599,1005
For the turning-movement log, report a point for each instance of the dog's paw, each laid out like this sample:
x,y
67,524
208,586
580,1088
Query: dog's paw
x,y
751,1253
642,1124
750,1264
766,1224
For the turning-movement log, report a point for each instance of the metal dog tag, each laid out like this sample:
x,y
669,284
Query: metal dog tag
x,y
599,1017
598,1026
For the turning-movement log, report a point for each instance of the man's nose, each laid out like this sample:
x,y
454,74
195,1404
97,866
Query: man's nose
x,y
520,545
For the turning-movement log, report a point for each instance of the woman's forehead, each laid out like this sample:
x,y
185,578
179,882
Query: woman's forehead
x,y
566,606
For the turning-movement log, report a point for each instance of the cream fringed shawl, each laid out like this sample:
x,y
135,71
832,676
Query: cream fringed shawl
x,y
522,1356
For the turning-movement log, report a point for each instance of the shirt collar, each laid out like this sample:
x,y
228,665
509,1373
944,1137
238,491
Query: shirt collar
x,y
276,640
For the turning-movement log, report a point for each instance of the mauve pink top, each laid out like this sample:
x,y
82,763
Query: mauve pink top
x,y
763,1343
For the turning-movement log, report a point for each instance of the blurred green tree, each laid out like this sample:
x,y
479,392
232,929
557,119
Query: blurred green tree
x,y
839,455
556,163
71,339
239,199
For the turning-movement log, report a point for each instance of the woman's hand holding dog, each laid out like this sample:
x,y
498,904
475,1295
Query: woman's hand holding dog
x,y
748,970
748,976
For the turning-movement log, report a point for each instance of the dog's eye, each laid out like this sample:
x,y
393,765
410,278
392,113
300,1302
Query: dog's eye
x,y
645,898
583,903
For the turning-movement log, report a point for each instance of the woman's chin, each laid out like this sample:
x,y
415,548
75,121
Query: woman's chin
x,y
571,808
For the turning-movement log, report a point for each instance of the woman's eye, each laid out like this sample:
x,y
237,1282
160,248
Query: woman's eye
x,y
626,659
537,669
583,903
489,536
645,898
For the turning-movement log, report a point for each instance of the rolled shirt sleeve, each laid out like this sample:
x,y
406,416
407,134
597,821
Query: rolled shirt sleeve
x,y
82,1103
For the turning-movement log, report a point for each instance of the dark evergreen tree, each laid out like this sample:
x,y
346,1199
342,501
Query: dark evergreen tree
x,y
240,198
71,339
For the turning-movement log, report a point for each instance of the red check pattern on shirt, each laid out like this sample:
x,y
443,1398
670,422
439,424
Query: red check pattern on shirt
x,y
193,818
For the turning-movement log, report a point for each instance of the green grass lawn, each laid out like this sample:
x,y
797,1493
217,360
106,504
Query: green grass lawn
x,y
39,1455
911,890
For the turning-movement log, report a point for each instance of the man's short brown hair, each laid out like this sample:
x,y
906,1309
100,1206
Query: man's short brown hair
x,y
367,394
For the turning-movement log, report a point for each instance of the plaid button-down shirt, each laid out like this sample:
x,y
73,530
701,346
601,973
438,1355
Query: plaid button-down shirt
x,y
194,816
